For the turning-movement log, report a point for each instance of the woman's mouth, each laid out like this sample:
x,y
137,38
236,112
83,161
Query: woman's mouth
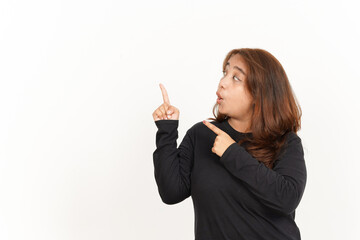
x,y
219,99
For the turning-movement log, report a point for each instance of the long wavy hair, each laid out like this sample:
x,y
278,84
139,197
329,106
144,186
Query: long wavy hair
x,y
275,110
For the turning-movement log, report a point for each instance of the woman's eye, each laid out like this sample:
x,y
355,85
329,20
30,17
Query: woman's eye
x,y
236,78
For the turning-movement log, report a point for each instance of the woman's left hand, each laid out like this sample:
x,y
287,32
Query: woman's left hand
x,y
222,141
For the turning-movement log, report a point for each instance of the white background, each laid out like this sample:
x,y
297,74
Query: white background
x,y
79,81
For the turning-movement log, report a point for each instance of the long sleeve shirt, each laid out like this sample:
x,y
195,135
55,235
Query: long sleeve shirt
x,y
235,196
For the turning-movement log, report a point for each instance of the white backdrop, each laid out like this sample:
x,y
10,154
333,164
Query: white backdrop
x,y
79,81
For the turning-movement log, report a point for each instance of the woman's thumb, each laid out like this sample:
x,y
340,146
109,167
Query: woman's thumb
x,y
170,110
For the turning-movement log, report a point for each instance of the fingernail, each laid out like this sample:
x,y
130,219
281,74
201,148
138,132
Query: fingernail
x,y
169,116
169,112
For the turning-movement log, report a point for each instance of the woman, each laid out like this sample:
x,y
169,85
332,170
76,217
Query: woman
x,y
245,170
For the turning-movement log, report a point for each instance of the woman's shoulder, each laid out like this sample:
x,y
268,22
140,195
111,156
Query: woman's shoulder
x,y
200,126
199,132
292,136
196,127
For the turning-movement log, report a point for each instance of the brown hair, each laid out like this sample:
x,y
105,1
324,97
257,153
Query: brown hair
x,y
275,110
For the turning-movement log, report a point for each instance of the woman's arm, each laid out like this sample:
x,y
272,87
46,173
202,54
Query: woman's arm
x,y
280,188
172,165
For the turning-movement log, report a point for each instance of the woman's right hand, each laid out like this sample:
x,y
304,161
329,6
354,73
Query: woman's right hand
x,y
165,110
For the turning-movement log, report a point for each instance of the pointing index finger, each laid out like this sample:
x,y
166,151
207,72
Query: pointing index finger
x,y
164,94
213,127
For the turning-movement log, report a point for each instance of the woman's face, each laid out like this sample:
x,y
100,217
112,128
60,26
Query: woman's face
x,y
237,101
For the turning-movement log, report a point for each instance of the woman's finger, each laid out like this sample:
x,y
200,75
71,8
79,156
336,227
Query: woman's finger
x,y
164,94
162,109
170,111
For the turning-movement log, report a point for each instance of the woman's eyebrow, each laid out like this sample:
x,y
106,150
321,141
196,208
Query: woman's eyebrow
x,y
242,71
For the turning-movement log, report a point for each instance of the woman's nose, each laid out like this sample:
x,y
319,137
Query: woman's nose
x,y
223,82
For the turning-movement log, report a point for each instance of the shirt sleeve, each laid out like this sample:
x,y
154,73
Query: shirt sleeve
x,y
172,165
280,188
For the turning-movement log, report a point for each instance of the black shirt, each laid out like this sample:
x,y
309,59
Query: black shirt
x,y
234,196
